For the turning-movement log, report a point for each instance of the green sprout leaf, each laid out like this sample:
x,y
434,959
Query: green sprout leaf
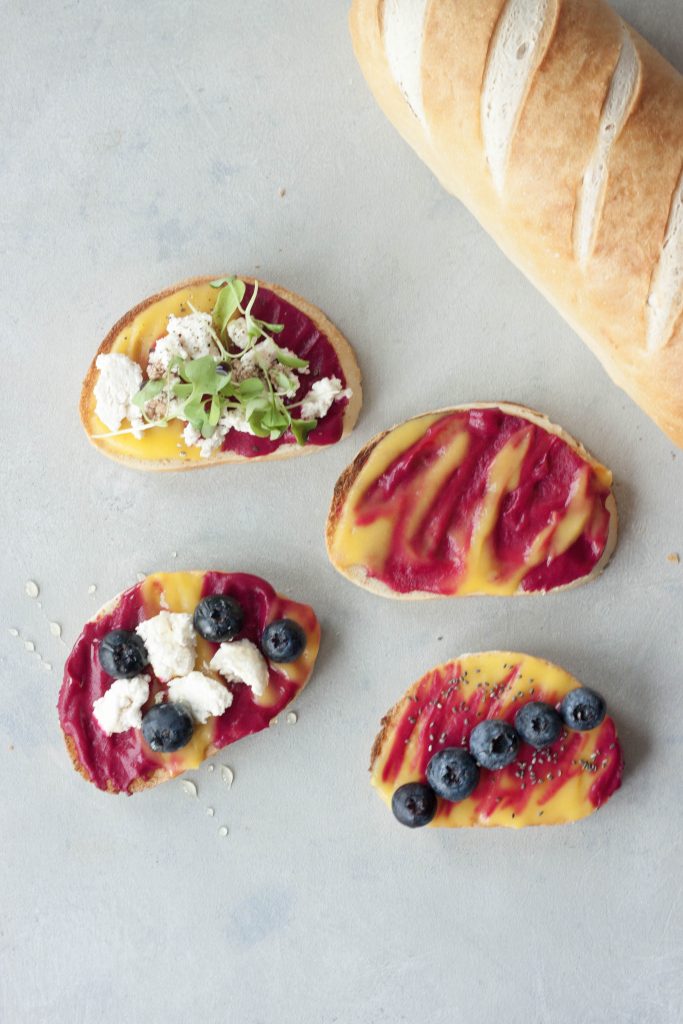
x,y
250,388
214,411
287,382
151,389
201,372
302,428
258,327
205,388
256,423
228,302
291,361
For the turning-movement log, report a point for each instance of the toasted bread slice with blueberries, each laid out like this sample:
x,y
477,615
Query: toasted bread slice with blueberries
x,y
489,498
496,738
212,371
178,667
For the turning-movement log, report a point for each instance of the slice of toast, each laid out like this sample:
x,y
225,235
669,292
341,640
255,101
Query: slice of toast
x,y
123,762
479,499
307,332
563,782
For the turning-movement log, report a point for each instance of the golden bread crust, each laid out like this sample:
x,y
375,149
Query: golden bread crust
x,y
533,219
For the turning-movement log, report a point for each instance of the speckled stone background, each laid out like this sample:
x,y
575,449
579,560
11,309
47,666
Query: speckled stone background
x,y
146,141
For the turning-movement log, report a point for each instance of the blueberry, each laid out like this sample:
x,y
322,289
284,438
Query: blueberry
x,y
414,804
122,654
453,774
218,618
582,709
538,724
283,640
494,744
167,727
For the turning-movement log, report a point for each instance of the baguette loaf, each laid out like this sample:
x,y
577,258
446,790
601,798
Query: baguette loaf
x,y
135,334
561,130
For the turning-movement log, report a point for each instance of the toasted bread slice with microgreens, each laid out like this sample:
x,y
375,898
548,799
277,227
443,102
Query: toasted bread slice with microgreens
x,y
212,371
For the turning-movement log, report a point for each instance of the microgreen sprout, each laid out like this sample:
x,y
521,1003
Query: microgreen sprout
x,y
205,390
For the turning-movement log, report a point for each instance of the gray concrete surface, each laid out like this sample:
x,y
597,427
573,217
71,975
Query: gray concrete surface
x,y
143,142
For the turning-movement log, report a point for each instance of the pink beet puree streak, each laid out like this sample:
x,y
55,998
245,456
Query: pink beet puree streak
x,y
117,761
261,605
451,724
433,558
302,337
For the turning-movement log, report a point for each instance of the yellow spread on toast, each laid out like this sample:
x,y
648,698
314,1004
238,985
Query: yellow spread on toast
x,y
135,341
551,789
368,545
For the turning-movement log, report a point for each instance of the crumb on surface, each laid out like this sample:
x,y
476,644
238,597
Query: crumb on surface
x,y
282,191
674,557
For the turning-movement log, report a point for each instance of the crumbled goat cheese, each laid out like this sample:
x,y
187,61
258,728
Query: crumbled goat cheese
x,y
235,419
263,355
232,419
319,399
238,333
241,662
164,406
239,370
120,707
191,435
188,337
170,641
207,445
119,381
204,695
